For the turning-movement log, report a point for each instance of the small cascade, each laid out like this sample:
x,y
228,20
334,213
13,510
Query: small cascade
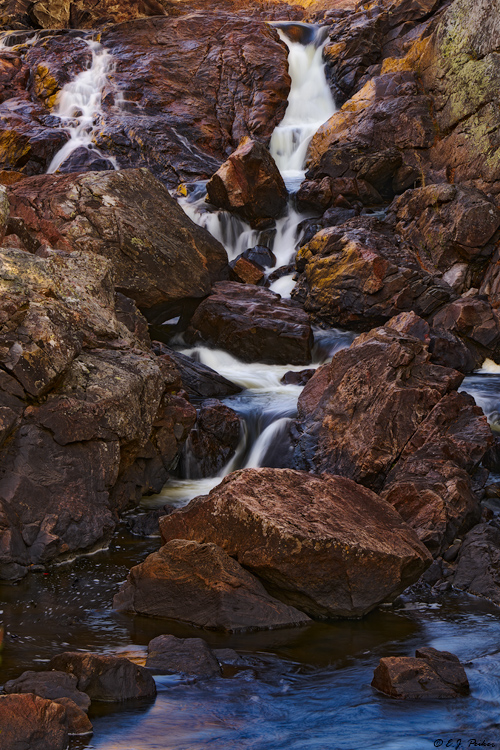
x,y
271,438
79,106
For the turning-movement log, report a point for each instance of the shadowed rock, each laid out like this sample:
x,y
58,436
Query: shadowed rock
x,y
431,675
192,656
52,685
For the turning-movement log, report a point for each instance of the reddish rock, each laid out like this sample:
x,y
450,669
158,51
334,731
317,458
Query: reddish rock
x,y
431,674
213,440
249,184
106,678
252,324
192,656
246,272
159,256
201,585
27,721
52,685
473,324
360,274
78,721
323,544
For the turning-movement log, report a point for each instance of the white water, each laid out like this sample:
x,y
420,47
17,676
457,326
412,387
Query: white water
x,y
310,103
79,106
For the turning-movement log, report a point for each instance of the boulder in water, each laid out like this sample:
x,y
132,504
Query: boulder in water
x,y
252,324
430,674
106,678
52,685
192,656
249,184
201,585
323,544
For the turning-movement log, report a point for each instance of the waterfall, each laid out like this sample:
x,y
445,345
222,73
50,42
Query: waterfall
x,y
79,106
310,103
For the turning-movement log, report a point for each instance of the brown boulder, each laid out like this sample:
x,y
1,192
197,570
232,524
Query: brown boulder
x,y
27,721
469,323
252,324
322,544
191,656
213,440
106,678
478,564
78,721
201,585
159,256
360,274
52,685
249,184
432,674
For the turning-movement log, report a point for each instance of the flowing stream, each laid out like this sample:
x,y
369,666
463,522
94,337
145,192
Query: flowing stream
x,y
301,689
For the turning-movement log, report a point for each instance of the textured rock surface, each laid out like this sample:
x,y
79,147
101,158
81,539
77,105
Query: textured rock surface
x,y
52,685
213,440
249,184
27,721
106,678
167,654
252,324
159,256
431,674
201,585
323,544
478,564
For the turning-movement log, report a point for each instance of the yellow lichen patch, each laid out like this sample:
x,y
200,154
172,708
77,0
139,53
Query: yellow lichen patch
x,y
13,147
46,86
411,61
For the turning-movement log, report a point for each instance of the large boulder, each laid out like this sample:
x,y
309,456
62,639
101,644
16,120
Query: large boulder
x,y
323,544
106,678
52,685
384,415
359,275
159,257
249,184
201,585
28,721
430,674
252,324
192,656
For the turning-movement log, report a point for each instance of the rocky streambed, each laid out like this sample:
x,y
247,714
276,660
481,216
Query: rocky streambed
x,y
248,385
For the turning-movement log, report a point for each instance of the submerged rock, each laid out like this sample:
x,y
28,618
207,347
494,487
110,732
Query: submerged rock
x,y
323,544
201,585
106,678
252,324
249,184
192,656
431,674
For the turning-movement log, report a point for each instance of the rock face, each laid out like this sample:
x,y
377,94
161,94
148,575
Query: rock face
x,y
51,685
27,721
192,656
478,565
432,674
201,585
249,184
77,388
159,256
254,325
106,678
359,274
384,415
322,544
213,440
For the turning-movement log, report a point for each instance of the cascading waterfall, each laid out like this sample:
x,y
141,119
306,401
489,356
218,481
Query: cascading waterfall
x,y
79,106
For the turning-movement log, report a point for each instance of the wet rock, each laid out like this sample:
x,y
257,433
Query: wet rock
x,y
227,656
246,272
147,524
315,194
192,656
199,381
249,184
447,225
374,134
106,678
296,532
195,86
159,256
360,275
478,565
201,585
52,685
54,61
475,324
431,674
28,721
85,160
384,415
78,721
213,440
252,324
260,255
297,378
